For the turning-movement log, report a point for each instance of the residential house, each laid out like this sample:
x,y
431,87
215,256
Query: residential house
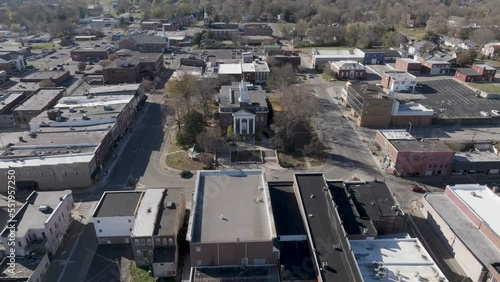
x,y
478,72
432,66
455,21
408,65
144,43
419,47
390,56
399,81
491,49
41,223
133,67
348,69
11,61
243,106
458,43
407,156
211,43
224,31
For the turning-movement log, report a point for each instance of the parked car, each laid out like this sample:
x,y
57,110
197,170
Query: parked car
x,y
417,188
495,112
186,173
485,114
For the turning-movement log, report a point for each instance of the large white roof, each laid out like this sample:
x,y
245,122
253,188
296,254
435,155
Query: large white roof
x,y
404,257
38,161
480,200
230,69
147,213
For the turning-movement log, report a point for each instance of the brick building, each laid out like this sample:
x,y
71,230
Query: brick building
x,y
408,65
133,67
243,107
90,54
282,57
478,72
144,43
434,67
57,77
35,104
348,69
257,29
407,156
369,104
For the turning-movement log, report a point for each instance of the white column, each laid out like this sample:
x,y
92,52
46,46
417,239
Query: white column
x,y
234,124
253,128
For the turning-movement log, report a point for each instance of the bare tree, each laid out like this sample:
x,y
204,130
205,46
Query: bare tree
x,y
182,88
482,36
204,94
282,77
210,140
81,66
298,107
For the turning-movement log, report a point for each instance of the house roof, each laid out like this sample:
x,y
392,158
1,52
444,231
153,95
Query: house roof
x,y
9,55
349,65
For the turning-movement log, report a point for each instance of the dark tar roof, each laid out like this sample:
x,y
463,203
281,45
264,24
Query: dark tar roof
x,y
164,254
372,200
326,230
165,222
118,204
286,212
369,91
468,71
354,222
148,39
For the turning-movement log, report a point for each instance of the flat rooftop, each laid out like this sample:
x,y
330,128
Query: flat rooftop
x,y
477,243
112,89
486,66
44,75
137,58
480,200
369,91
47,160
86,101
286,211
253,273
40,100
30,217
230,69
255,93
424,145
468,71
345,52
451,100
408,60
147,213
372,199
326,233
167,215
354,223
476,157
8,98
397,134
25,86
124,203
231,206
400,75
401,257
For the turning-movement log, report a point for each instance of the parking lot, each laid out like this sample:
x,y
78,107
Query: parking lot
x,y
450,99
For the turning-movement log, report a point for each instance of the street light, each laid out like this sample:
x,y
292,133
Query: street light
x,y
409,132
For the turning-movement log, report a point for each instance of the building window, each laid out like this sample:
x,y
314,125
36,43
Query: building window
x,y
20,245
170,241
100,230
136,242
150,252
158,241
198,262
138,252
198,249
130,229
164,241
143,242
130,220
149,242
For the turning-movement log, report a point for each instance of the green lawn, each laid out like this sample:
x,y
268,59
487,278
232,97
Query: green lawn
x,y
488,87
418,33
139,275
181,161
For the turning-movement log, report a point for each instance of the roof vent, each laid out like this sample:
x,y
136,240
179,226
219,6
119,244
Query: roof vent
x,y
82,111
260,188
85,117
473,194
310,215
221,217
259,200
72,110
108,108
149,210
43,208
170,205
312,196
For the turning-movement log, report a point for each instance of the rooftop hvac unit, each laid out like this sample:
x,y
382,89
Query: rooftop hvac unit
x,y
259,200
72,110
43,208
380,274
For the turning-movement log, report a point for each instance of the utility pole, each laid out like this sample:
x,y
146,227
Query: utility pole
x,y
410,128
473,135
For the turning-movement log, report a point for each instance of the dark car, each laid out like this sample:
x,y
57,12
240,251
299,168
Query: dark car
x,y
186,174
417,188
